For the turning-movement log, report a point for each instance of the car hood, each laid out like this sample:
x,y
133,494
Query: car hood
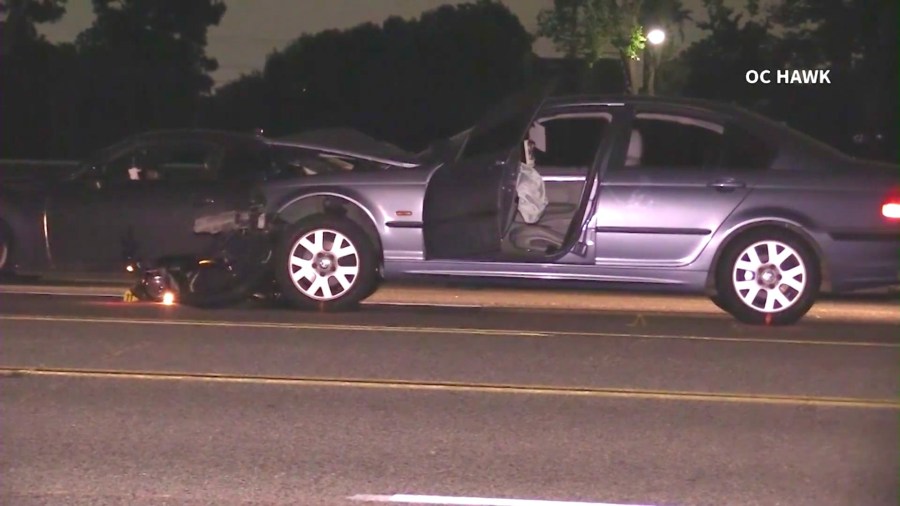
x,y
353,143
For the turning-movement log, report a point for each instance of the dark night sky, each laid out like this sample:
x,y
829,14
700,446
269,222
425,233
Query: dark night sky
x,y
251,29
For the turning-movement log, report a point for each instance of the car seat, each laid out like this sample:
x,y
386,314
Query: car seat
x,y
543,237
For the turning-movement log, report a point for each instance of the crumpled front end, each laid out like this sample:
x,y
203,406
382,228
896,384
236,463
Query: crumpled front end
x,y
230,272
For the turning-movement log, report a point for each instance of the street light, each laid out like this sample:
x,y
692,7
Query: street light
x,y
656,36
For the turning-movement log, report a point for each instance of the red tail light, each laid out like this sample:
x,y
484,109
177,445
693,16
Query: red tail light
x,y
891,208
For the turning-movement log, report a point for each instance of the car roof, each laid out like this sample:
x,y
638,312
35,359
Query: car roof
x,y
682,102
202,133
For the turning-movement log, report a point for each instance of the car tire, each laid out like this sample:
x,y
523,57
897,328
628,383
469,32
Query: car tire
x,y
325,262
233,275
768,277
719,302
202,289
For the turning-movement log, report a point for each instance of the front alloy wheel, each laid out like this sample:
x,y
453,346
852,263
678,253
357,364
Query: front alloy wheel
x,y
325,262
768,277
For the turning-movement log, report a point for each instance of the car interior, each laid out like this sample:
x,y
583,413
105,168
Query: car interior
x,y
674,141
562,148
178,162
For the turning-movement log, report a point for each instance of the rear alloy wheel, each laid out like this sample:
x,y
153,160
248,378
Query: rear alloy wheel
x,y
325,262
768,277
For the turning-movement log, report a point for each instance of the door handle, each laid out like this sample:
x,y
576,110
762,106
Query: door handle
x,y
726,185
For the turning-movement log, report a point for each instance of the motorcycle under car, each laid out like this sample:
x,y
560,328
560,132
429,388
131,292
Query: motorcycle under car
x,y
236,268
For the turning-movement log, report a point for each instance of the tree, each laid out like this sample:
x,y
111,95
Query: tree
x,y
145,64
407,82
596,29
31,72
837,32
239,105
21,18
857,40
718,63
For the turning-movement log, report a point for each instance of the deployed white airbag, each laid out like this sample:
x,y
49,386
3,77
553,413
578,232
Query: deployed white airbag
x,y
532,193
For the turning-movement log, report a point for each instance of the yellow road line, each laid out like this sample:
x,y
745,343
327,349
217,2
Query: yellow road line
x,y
440,330
394,384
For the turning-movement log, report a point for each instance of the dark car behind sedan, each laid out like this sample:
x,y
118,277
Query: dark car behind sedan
x,y
139,198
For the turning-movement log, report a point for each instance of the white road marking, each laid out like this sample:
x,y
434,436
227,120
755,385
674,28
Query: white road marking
x,y
422,304
471,501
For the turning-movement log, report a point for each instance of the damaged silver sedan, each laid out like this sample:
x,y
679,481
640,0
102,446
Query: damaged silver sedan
x,y
630,192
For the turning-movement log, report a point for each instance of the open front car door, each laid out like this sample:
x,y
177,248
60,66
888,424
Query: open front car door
x,y
470,202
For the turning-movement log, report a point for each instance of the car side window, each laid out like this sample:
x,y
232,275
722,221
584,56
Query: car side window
x,y
188,161
743,150
247,163
667,141
176,161
127,165
568,140
662,141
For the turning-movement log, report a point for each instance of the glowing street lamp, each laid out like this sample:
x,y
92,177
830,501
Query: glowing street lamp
x,y
655,37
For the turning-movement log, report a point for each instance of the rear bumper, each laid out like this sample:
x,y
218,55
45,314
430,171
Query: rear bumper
x,y
861,262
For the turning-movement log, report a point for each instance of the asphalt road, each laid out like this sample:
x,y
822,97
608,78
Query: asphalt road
x,y
103,402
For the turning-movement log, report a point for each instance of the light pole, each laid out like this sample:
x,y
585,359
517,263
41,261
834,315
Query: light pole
x,y
656,37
